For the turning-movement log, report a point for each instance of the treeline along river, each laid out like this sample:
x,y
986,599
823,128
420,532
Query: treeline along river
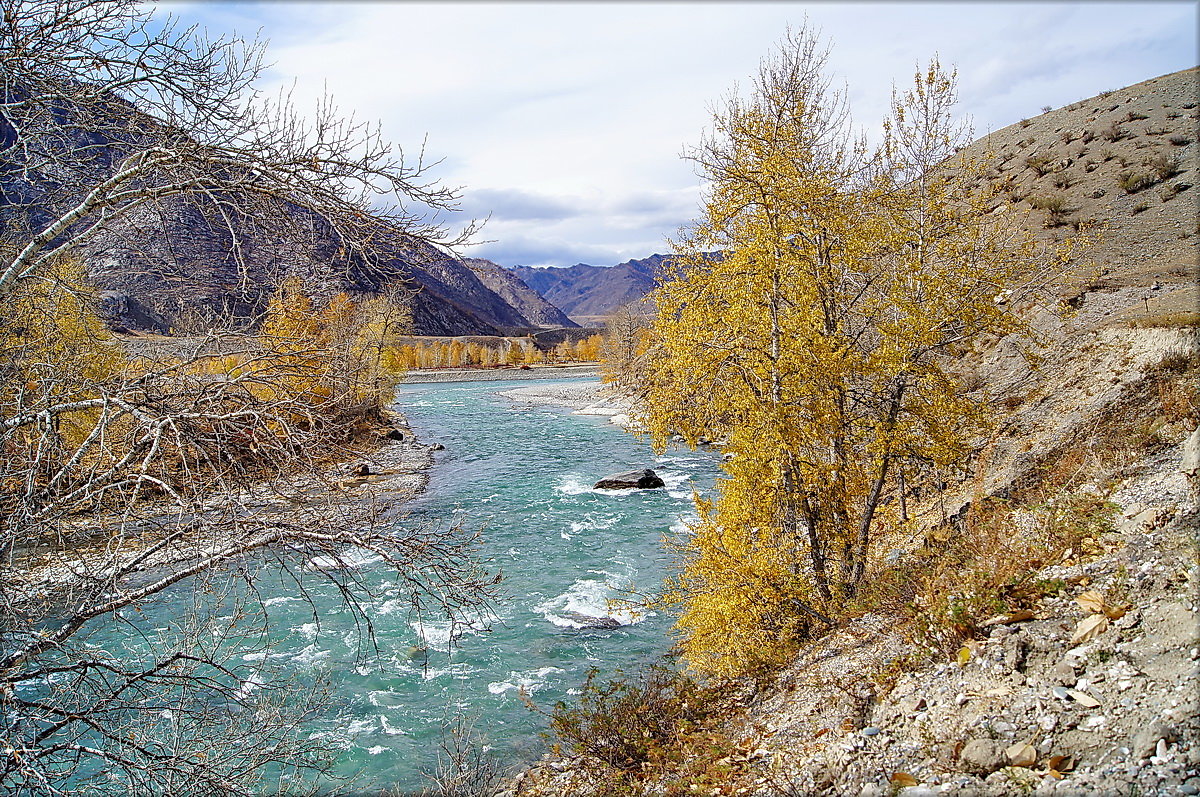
x,y
523,475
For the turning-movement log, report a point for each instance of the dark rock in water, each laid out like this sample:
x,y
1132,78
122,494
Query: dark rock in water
x,y
634,479
588,621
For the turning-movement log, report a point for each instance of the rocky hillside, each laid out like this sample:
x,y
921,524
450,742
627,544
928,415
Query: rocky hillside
x,y
1036,632
1123,167
588,294
188,263
508,286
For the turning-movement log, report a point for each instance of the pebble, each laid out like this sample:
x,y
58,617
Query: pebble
x,y
1060,692
870,731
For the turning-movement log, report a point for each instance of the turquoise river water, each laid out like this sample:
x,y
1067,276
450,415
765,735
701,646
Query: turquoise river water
x,y
523,474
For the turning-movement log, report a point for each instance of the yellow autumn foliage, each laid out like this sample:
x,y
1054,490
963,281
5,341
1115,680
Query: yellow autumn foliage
x,y
819,345
55,349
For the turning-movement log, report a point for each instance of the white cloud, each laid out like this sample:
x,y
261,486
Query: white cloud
x,y
566,120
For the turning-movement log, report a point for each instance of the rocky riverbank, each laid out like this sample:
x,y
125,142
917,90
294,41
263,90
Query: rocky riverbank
x,y
503,374
379,475
589,398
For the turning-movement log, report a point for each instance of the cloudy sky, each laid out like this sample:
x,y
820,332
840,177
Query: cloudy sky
x,y
566,121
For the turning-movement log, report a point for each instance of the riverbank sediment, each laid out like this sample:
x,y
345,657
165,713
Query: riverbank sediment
x,y
502,374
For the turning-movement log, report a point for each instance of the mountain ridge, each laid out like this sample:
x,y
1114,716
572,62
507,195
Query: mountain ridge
x,y
588,294
191,262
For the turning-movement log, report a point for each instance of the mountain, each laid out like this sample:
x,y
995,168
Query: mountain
x,y
588,294
189,262
508,286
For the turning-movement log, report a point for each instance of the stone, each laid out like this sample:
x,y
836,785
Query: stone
x,y
1145,743
1063,673
590,621
360,469
393,434
982,756
635,479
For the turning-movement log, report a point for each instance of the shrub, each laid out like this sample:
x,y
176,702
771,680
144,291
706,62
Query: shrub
x,y
1025,123
1186,319
1140,207
1165,166
1042,164
657,723
1088,136
1114,132
1169,192
1179,140
1046,109
1055,203
1062,180
1135,116
1132,182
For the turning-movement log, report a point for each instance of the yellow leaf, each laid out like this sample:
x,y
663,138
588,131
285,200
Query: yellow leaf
x,y
1021,754
903,780
1059,764
1089,628
1115,612
1091,601
963,655
1083,698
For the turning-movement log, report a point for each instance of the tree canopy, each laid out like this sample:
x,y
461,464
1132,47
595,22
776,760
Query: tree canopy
x,y
819,348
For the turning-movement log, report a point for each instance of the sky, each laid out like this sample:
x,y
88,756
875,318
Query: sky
x,y
566,123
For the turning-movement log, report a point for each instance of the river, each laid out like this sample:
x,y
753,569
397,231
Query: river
x,y
523,475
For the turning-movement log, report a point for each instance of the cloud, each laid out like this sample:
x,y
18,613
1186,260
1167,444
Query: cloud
x,y
517,204
572,141
549,229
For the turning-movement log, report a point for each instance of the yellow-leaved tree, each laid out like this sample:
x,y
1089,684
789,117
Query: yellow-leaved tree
x,y
818,346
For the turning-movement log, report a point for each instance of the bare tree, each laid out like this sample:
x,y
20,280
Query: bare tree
x,y
623,345
199,471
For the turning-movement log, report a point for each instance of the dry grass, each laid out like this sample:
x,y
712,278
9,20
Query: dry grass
x,y
1181,320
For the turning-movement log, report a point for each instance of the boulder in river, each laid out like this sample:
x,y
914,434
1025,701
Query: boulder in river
x,y
587,621
635,479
